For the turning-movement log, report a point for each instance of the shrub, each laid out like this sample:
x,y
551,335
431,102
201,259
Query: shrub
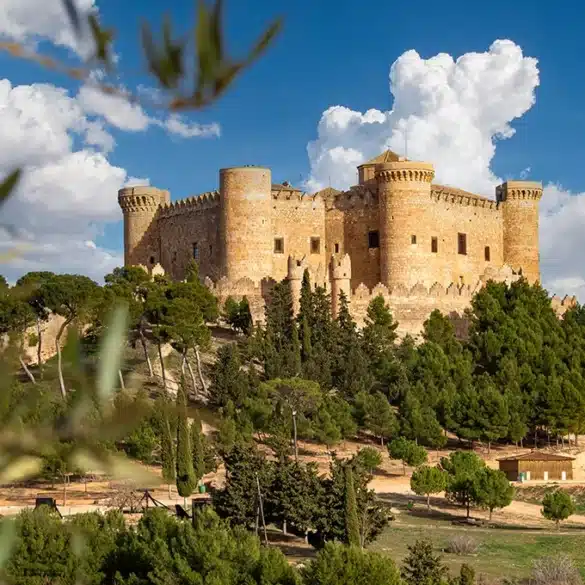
x,y
462,544
342,565
557,506
369,458
556,570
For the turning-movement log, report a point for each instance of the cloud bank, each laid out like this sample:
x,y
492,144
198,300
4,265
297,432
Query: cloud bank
x,y
63,141
453,112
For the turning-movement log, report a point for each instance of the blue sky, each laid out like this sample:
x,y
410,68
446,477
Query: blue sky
x,y
339,53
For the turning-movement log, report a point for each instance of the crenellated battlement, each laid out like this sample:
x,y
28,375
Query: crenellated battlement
x,y
142,199
296,267
404,171
341,267
358,196
297,196
519,190
562,305
195,203
458,196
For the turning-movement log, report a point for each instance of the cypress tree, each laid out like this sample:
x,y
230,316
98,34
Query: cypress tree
x,y
307,346
185,475
167,451
306,299
352,528
197,449
295,354
245,321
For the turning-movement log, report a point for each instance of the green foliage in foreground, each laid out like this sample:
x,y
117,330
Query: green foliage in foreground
x,y
101,549
341,565
160,549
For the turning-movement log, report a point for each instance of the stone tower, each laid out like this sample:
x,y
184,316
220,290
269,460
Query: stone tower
x,y
295,273
404,190
520,203
139,206
340,280
245,223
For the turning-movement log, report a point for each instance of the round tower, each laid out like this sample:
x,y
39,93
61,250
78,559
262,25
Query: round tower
x,y
404,192
295,273
245,223
520,208
340,280
139,206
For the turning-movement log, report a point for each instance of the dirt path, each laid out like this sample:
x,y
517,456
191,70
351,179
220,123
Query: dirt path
x,y
516,512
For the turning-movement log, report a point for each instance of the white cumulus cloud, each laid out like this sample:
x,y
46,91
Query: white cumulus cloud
x,y
452,112
69,187
66,194
132,117
446,111
35,20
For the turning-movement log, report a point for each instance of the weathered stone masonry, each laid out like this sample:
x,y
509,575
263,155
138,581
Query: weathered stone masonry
x,y
419,244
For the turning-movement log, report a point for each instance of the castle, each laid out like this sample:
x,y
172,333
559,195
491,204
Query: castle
x,y
420,244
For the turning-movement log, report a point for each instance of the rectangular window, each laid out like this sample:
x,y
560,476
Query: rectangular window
x,y
315,245
195,251
462,244
210,249
337,248
486,253
413,239
279,245
373,239
434,245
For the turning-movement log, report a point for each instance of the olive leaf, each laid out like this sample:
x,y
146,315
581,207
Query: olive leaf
x,y
166,62
115,466
73,16
9,184
110,357
19,468
103,40
8,536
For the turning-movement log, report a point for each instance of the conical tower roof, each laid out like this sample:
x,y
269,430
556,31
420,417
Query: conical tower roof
x,y
386,156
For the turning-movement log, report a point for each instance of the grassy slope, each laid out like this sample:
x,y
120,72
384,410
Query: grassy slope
x,y
502,551
535,494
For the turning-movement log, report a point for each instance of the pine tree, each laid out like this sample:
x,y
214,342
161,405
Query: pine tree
x,y
352,530
426,481
421,566
379,416
379,331
230,312
228,381
185,477
492,490
352,368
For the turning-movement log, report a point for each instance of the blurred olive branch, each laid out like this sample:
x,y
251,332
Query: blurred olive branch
x,y
192,76
167,60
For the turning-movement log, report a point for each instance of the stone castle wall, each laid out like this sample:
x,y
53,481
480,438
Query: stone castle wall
x,y
349,220
185,227
399,229
409,307
296,218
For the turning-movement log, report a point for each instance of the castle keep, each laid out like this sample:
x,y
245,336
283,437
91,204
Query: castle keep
x,y
419,244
